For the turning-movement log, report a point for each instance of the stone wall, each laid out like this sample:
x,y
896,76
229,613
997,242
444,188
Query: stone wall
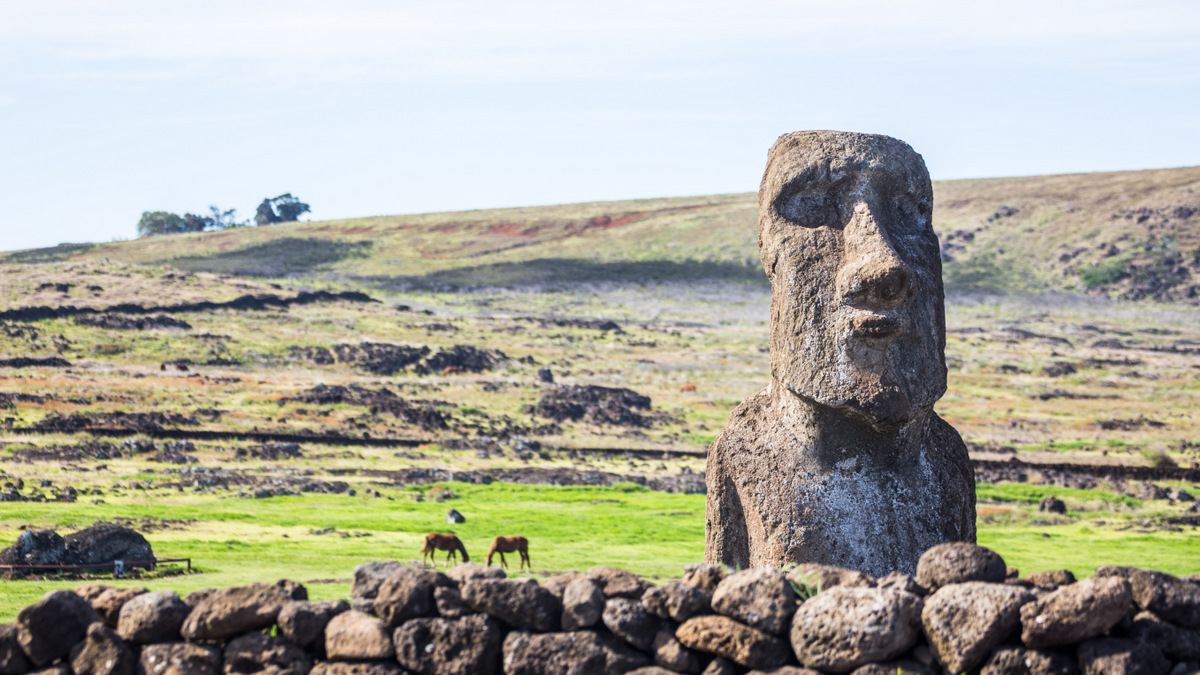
x,y
964,611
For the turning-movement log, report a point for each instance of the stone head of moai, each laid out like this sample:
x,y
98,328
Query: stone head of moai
x,y
846,238
841,459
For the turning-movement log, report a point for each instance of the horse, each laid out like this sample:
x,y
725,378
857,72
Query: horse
x,y
504,545
443,542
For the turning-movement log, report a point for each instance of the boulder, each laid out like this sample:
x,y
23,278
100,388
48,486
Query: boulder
x,y
265,655
762,598
1117,656
152,617
303,623
1021,661
630,621
357,668
368,576
704,576
102,653
464,572
574,653
12,658
1174,599
956,562
670,653
1051,578
104,543
292,590
557,584
196,597
35,547
723,666
179,658
1076,612
964,622
109,602
449,602
615,583
845,627
408,594
353,635
899,581
1177,644
49,628
1052,504
904,667
677,601
735,641
229,611
583,603
521,605
821,577
469,646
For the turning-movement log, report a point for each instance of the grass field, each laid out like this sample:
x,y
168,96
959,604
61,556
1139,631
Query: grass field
x,y
179,424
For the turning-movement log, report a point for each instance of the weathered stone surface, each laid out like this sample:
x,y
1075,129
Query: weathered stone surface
x,y
576,653
1022,661
368,576
670,653
844,628
677,601
630,621
449,603
35,547
292,590
303,623
1116,656
408,594
469,646
49,628
615,583
704,576
196,597
521,605
1178,644
583,603
464,572
265,654
102,653
761,598
899,581
152,617
105,542
722,666
357,668
650,670
964,622
109,602
12,658
957,562
827,576
557,584
1076,612
179,658
1051,578
1174,599
735,641
856,359
789,670
354,635
229,611
905,667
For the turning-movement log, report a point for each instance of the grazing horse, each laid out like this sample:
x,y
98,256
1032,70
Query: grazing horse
x,y
443,542
504,545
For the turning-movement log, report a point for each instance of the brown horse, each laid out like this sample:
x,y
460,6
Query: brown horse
x,y
504,545
443,542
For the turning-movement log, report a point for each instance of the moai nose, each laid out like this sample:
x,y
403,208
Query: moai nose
x,y
872,275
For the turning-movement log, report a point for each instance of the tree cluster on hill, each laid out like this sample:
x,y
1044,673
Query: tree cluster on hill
x,y
282,209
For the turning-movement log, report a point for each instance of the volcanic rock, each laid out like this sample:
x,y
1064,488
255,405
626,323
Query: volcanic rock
x,y
49,628
469,646
761,598
845,627
964,622
152,617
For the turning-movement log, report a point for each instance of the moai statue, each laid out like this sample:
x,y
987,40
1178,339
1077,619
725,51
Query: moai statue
x,y
841,459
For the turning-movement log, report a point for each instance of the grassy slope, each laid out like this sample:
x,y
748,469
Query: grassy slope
x,y
1059,223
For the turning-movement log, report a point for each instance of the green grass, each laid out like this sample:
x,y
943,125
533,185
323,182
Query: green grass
x,y
1022,493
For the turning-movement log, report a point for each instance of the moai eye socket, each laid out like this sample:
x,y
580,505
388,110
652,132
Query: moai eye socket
x,y
807,208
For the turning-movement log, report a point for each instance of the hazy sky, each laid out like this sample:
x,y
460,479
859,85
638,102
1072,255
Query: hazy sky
x,y
360,108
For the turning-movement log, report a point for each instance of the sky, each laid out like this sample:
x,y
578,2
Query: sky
x,y
360,108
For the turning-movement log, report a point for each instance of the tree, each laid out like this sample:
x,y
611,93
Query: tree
x,y
224,220
282,209
160,222
195,223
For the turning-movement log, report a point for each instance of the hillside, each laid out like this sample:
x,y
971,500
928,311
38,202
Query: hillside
x,y
1130,234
